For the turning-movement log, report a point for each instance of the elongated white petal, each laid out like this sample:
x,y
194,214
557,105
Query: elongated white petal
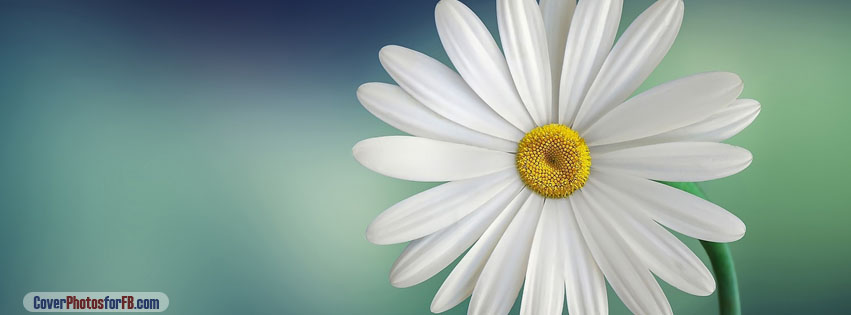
x,y
461,281
557,15
524,40
721,126
676,161
443,91
427,160
543,291
585,285
664,254
436,208
425,257
676,209
395,107
501,279
592,32
627,274
477,58
639,50
666,107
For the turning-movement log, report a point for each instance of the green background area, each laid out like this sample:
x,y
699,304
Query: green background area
x,y
144,150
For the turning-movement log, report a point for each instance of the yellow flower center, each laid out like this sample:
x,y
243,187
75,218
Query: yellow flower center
x,y
553,160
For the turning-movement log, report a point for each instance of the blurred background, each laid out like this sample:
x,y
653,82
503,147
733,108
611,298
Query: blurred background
x,y
203,149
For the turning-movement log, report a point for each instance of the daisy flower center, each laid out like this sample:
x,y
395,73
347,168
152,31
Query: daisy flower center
x,y
553,160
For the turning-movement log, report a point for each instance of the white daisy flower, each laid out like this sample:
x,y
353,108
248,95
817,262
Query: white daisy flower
x,y
551,170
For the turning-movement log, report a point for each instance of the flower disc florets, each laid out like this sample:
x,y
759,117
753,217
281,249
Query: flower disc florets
x,y
553,160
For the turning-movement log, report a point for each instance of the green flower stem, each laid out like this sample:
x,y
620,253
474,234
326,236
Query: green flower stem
x,y
725,275
722,263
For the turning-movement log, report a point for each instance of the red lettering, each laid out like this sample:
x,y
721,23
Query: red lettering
x,y
127,302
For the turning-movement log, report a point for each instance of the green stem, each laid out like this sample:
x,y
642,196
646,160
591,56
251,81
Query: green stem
x,y
725,275
722,263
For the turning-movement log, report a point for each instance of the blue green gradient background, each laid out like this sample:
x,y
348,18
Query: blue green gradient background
x,y
203,150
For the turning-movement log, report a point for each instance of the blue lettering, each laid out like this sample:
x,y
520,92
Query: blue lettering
x,y
42,304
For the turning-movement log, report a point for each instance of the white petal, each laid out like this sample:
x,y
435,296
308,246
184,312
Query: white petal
x,y
543,292
501,279
666,107
436,208
627,274
721,126
524,40
592,32
676,161
676,209
425,257
395,107
639,50
443,91
477,58
557,15
460,282
664,254
585,285
427,160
